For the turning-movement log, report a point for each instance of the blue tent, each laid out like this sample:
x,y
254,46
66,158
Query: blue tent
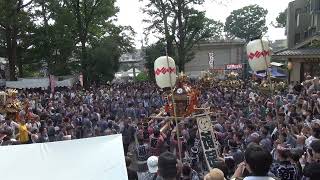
x,y
274,73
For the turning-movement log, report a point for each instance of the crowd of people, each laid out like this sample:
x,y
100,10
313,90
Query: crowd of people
x,y
261,136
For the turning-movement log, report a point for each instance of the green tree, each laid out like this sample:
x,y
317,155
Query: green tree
x,y
92,17
247,23
142,77
152,52
282,19
163,21
181,24
105,54
38,41
63,35
23,47
12,16
194,27
54,43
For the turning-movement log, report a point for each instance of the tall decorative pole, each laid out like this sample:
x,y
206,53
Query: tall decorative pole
x,y
165,73
268,69
174,110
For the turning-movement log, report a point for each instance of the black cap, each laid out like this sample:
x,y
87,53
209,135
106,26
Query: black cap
x,y
167,165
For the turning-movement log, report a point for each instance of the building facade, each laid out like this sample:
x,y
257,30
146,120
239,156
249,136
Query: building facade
x,y
303,37
222,53
303,21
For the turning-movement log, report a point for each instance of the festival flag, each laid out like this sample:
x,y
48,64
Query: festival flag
x,y
81,79
52,83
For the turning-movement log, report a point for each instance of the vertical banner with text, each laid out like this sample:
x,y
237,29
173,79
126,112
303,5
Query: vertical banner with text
x,y
211,59
209,143
81,80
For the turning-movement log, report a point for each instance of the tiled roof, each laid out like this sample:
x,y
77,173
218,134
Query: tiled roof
x,y
299,52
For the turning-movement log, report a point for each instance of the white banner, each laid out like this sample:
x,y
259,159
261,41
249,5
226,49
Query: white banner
x,y
211,59
209,143
233,66
98,158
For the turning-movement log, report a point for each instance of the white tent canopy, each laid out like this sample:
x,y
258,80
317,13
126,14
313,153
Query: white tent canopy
x,y
131,71
276,64
24,83
65,83
128,73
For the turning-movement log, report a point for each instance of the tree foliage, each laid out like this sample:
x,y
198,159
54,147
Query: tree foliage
x,y
92,18
142,77
247,23
152,52
181,26
282,19
193,29
63,36
105,53
53,44
162,21
12,19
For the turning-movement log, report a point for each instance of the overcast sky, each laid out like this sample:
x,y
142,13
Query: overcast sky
x,y
130,14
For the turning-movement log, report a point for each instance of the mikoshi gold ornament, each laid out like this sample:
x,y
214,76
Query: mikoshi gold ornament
x,y
9,104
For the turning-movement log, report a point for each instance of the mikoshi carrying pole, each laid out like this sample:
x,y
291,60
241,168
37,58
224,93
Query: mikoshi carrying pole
x,y
165,74
174,109
268,70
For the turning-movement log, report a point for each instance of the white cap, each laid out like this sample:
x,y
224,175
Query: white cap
x,y
152,163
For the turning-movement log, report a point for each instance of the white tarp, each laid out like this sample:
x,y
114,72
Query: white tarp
x,y
131,71
28,83
44,83
65,83
98,158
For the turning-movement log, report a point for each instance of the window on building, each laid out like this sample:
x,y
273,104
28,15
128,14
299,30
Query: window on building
x,y
315,5
298,11
297,38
